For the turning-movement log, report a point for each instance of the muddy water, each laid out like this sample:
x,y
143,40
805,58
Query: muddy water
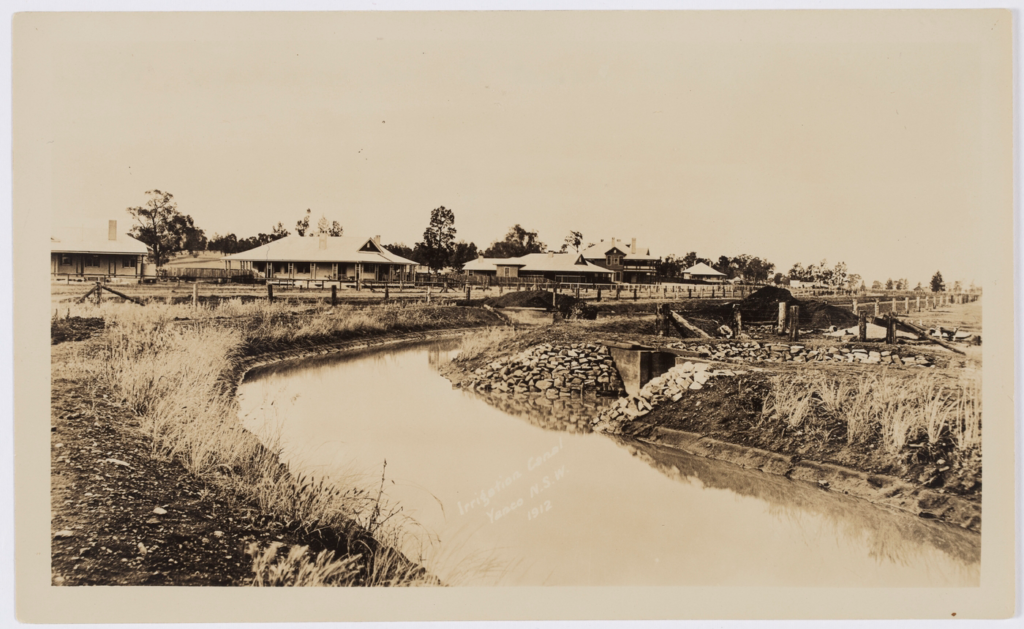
x,y
518,493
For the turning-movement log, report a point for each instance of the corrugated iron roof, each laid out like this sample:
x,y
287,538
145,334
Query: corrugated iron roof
x,y
95,240
308,249
702,269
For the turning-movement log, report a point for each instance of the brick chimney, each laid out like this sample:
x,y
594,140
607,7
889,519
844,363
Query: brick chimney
x,y
323,242
111,230
632,247
376,240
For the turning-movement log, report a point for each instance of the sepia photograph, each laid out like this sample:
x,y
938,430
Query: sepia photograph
x,y
512,305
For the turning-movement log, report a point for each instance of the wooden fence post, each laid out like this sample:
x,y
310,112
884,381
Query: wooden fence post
x,y
794,323
906,304
855,306
469,291
738,316
876,308
270,292
334,296
599,293
919,303
195,294
862,326
387,293
782,317
634,293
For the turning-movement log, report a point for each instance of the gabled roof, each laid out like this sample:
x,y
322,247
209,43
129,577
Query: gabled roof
x,y
482,264
95,240
553,262
308,249
702,269
602,249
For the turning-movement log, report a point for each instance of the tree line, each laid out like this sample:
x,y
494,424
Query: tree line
x,y
167,232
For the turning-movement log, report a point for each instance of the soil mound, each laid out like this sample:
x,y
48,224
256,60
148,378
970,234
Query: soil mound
x,y
763,305
820,315
521,299
569,306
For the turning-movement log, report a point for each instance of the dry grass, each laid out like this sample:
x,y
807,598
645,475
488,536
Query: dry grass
x,y
898,409
294,569
173,377
484,342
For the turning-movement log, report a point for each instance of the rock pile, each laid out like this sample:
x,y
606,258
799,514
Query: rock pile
x,y
670,386
754,352
554,371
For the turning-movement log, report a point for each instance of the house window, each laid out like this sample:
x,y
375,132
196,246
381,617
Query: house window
x,y
65,259
94,261
507,271
302,267
128,262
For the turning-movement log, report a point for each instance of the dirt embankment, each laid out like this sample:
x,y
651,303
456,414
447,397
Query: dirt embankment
x,y
926,477
121,516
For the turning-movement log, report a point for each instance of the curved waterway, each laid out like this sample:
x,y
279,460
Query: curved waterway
x,y
521,493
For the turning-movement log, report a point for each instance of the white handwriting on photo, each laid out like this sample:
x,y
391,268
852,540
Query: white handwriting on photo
x,y
535,466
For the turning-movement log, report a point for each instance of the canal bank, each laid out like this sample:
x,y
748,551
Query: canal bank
x,y
125,511
541,501
725,412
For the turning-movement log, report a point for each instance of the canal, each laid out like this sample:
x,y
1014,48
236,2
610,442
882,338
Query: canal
x,y
513,492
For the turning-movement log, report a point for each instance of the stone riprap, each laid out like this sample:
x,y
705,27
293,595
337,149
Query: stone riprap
x,y
552,370
754,352
670,386
572,414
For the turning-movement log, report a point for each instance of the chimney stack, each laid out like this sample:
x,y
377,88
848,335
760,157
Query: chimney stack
x,y
551,254
376,240
323,242
632,247
112,230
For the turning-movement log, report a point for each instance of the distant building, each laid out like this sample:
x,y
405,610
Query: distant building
x,y
86,254
628,263
569,268
337,258
482,266
703,272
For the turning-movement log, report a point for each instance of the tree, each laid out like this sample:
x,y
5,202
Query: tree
x,y
888,284
689,260
405,251
853,280
302,226
517,242
839,276
876,285
574,240
668,267
438,239
919,288
724,266
463,253
958,287
777,279
937,284
162,228
325,229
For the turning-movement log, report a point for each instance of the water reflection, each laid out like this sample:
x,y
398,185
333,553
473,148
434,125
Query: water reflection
x,y
571,414
890,535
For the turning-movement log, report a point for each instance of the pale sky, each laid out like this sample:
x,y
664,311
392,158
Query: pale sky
x,y
793,137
